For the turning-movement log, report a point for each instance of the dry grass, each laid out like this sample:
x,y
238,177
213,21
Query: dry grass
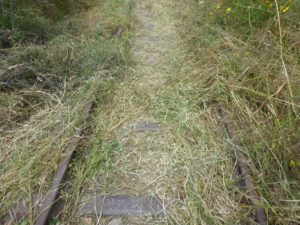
x,y
187,161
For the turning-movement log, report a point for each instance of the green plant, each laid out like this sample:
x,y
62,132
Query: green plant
x,y
34,21
248,16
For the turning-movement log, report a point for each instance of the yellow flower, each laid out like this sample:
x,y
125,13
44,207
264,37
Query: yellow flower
x,y
270,5
285,9
228,10
293,163
218,6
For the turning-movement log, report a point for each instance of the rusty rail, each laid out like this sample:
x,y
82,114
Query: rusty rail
x,y
53,194
245,172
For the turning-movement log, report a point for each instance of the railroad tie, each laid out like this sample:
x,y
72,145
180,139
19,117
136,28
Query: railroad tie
x,y
123,206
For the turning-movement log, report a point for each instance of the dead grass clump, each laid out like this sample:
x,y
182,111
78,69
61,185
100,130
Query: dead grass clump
x,y
21,76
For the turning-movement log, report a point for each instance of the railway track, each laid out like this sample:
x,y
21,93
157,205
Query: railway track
x,y
97,205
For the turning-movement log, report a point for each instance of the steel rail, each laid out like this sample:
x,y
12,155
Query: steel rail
x,y
244,172
54,192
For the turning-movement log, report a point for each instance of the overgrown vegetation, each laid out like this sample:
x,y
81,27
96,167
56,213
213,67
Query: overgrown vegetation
x,y
46,82
248,51
243,55
34,21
